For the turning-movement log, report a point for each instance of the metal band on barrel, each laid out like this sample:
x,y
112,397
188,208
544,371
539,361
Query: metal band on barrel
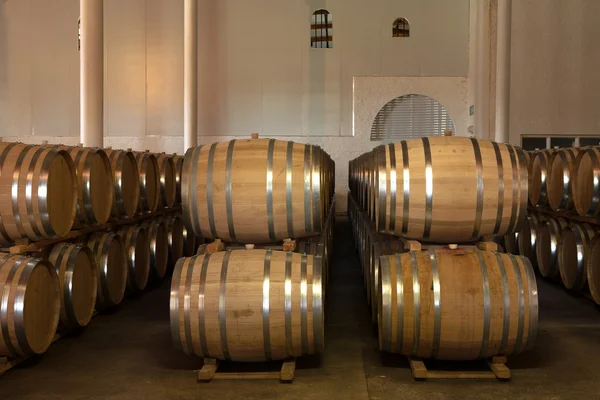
x,y
187,308
416,301
222,306
428,188
6,292
564,198
386,304
486,304
515,190
289,351
266,304
209,190
399,304
596,189
521,306
381,184
19,306
174,312
202,304
523,186
304,304
505,304
15,191
533,304
317,304
270,219
29,192
480,188
288,188
500,211
581,237
393,186
228,190
307,177
3,156
193,204
405,187
437,304
316,187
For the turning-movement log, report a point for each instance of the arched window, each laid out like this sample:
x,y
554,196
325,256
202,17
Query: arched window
x,y
411,116
401,28
321,30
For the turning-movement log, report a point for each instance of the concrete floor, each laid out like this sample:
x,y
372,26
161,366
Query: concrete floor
x,y
128,355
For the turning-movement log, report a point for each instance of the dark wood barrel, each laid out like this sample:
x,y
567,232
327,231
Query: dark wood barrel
x,y
30,307
149,181
457,304
573,255
38,192
168,180
548,238
248,305
77,277
125,183
137,251
111,266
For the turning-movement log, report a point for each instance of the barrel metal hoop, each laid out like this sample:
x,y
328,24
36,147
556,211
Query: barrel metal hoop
x,y
266,304
104,241
399,304
386,304
4,310
543,179
554,229
580,236
222,306
564,198
228,190
117,171
304,303
521,308
480,188
202,305
29,190
19,306
393,186
316,188
288,188
437,304
515,190
505,303
405,186
594,205
416,302
269,182
209,190
381,184
15,191
428,188
288,304
523,185
486,304
3,156
68,283
500,166
187,307
533,304
194,224
307,177
317,304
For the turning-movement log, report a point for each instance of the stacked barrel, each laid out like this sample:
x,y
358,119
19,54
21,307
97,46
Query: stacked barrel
x,y
80,228
253,301
560,234
411,204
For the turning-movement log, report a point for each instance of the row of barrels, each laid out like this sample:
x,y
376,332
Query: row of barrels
x,y
62,286
256,190
47,190
565,179
443,189
442,303
562,250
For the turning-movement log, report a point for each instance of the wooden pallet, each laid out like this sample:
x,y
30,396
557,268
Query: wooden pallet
x,y
497,365
210,371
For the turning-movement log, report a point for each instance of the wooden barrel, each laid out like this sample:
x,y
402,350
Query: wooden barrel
x,y
573,255
149,182
168,180
30,307
159,247
178,160
593,268
189,242
586,182
174,226
449,189
94,185
457,304
527,239
77,277
560,179
111,266
538,178
248,305
254,191
125,183
548,238
382,246
38,192
137,253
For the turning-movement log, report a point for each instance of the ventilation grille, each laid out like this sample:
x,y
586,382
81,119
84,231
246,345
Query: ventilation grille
x,y
411,116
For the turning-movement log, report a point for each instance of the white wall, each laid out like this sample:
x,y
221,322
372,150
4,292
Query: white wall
x,y
257,72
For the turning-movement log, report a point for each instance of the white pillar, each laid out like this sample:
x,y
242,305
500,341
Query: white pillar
x,y
190,74
503,71
91,66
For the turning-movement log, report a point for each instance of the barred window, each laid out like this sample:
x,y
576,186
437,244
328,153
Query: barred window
x,y
401,28
321,29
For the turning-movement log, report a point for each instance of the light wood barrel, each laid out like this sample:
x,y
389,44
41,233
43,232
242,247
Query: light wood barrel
x,y
189,242
174,226
538,178
560,178
77,277
168,180
248,305
573,255
586,182
159,247
137,252
125,182
449,189
457,304
548,238
254,191
593,268
30,307
178,160
38,192
527,239
149,182
111,266
94,185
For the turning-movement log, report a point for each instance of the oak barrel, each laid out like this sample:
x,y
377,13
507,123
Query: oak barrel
x,y
560,178
593,268
149,182
248,305
586,182
94,185
38,192
111,266
137,252
189,242
178,160
457,304
548,237
125,182
30,307
78,282
573,255
254,191
159,247
174,226
527,239
448,189
168,180
538,177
